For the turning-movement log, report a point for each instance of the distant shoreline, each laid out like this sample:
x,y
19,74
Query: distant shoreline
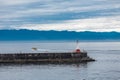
x,y
59,40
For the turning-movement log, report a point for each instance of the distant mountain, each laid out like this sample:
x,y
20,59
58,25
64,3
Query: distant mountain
x,y
56,35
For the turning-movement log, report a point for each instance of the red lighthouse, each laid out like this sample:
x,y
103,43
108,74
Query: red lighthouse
x,y
77,48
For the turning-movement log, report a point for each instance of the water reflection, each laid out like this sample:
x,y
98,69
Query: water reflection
x,y
77,65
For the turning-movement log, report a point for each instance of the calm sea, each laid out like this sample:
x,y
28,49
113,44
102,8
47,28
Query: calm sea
x,y
106,66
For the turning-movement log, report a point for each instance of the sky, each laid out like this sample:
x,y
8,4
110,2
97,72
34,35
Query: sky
x,y
59,15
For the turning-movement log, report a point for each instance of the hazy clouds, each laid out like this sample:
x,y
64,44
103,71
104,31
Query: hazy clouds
x,y
72,15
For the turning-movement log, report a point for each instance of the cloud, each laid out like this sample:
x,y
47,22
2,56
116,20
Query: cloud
x,y
15,2
47,14
96,24
51,7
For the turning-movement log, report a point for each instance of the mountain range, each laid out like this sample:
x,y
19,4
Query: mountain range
x,y
6,35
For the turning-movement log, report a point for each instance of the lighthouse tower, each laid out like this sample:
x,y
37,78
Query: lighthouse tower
x,y
77,48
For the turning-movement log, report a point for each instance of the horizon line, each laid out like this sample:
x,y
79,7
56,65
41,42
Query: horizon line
x,y
59,30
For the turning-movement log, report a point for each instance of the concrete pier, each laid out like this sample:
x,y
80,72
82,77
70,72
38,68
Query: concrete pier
x,y
68,57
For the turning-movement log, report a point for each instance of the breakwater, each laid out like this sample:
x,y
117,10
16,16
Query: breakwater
x,y
69,57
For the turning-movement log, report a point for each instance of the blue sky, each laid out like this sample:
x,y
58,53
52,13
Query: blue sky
x,y
71,15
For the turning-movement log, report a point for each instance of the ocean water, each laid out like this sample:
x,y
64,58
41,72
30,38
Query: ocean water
x,y
106,66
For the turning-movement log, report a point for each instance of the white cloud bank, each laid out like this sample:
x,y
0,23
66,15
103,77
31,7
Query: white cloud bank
x,y
96,24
